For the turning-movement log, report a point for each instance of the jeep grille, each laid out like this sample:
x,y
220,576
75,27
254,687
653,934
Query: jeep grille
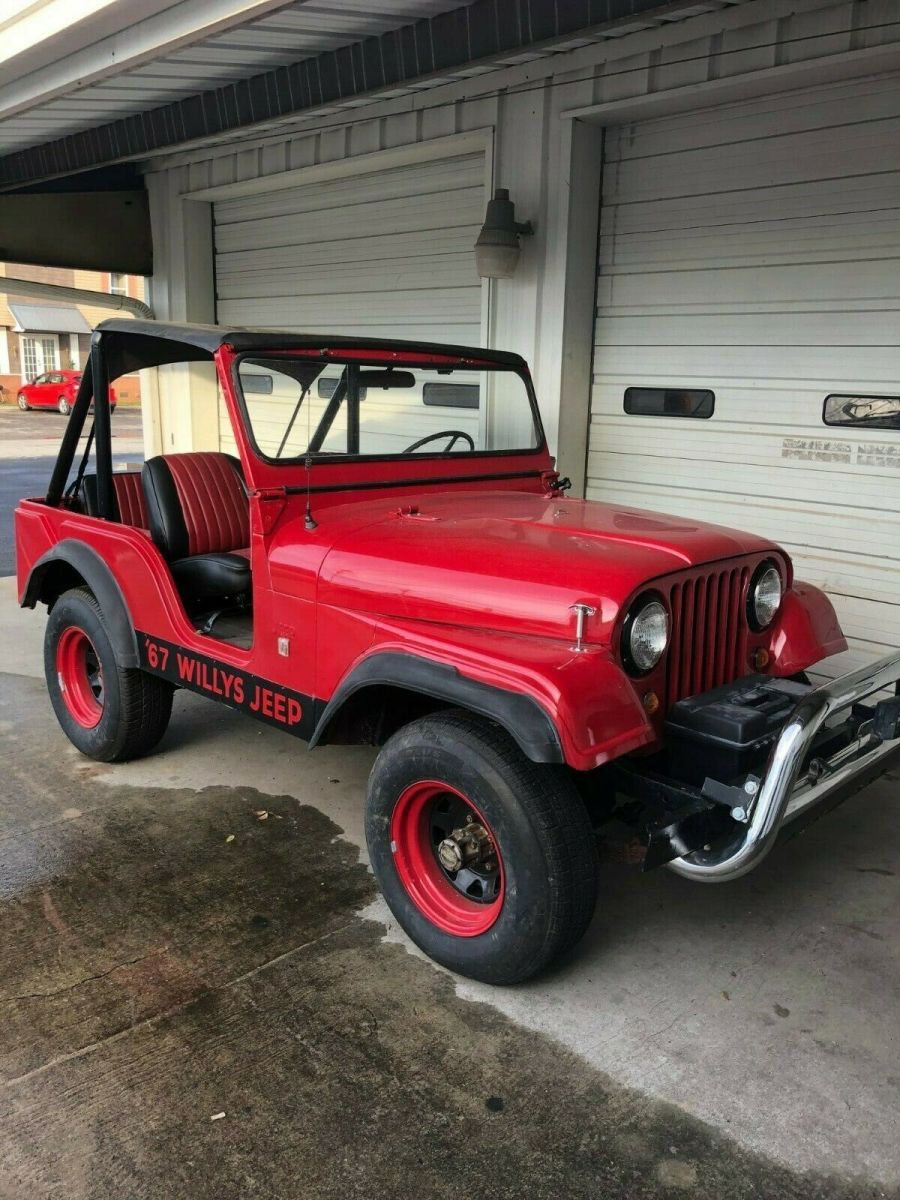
x,y
709,632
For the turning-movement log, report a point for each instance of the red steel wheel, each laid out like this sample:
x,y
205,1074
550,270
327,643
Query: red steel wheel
x,y
447,858
80,676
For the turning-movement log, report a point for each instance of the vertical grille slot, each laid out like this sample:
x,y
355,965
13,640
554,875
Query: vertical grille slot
x,y
708,633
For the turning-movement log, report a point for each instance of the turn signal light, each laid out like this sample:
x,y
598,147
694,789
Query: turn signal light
x,y
651,703
759,659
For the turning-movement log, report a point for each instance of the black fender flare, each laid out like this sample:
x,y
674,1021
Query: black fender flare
x,y
523,718
100,579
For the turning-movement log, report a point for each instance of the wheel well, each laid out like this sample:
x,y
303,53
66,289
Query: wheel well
x,y
371,715
58,577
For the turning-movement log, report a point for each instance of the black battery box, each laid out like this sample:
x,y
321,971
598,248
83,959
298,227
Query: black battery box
x,y
727,733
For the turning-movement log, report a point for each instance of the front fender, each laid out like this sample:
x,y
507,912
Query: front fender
x,y
559,705
807,630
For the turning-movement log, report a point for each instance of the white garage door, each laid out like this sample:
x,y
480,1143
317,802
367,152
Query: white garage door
x,y
385,253
754,250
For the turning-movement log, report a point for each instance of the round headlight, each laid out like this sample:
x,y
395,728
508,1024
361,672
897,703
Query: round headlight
x,y
765,596
646,635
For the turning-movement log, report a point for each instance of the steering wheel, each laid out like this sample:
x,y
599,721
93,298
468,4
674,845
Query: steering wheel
x,y
455,435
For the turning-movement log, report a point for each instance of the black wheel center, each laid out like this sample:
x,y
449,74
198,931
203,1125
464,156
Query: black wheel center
x,y
464,849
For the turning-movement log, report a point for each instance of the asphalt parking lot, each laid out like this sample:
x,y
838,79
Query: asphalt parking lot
x,y
203,994
28,445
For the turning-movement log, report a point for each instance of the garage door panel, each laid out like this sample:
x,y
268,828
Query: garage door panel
x,y
452,304
779,161
846,490
867,328
439,245
793,240
781,115
399,183
869,279
341,279
847,465
457,207
775,409
828,367
752,207
754,249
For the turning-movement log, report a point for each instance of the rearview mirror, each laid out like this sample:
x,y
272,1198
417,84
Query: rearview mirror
x,y
871,412
387,379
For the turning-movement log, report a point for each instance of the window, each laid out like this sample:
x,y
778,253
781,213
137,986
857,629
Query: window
x,y
451,395
39,354
868,412
327,387
376,410
669,402
118,284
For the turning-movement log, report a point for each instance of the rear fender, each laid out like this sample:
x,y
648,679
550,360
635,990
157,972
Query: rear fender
x,y
56,571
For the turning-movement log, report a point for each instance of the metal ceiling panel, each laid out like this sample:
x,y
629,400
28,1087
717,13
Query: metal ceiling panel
x,y
303,56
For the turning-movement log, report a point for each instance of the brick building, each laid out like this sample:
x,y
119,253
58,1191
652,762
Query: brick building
x,y
39,335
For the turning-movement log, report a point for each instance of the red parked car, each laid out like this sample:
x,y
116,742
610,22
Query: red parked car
x,y
54,389
391,559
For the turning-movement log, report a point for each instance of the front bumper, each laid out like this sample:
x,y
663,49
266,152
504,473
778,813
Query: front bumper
x,y
796,784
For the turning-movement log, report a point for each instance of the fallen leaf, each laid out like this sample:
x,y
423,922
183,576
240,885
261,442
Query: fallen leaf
x,y
230,838
261,814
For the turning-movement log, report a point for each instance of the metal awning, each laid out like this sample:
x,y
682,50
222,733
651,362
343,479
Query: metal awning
x,y
48,318
140,90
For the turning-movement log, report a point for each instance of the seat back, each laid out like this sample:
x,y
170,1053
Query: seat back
x,y
129,507
196,504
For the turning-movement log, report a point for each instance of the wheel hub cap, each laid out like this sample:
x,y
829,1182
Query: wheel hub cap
x,y
467,847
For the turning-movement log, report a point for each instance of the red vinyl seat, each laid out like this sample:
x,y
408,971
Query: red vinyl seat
x,y
199,517
128,498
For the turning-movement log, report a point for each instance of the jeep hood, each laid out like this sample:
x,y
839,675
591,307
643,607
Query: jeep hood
x,y
510,561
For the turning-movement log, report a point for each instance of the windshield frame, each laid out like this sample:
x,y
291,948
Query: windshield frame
x,y
399,358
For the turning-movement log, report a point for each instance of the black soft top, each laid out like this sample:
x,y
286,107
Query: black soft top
x,y
130,345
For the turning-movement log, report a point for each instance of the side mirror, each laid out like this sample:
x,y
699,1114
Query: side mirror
x,y
868,412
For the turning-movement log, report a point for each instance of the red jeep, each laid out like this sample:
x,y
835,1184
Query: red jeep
x,y
390,558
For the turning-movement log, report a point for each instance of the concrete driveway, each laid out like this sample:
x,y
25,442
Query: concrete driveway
x,y
710,1042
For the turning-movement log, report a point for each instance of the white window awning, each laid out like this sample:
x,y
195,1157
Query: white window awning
x,y
48,318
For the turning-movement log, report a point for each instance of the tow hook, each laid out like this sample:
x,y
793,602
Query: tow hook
x,y
470,846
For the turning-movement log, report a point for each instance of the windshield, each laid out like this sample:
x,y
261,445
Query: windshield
x,y
299,406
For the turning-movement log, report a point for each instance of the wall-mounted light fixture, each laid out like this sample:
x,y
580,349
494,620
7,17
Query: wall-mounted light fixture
x,y
497,248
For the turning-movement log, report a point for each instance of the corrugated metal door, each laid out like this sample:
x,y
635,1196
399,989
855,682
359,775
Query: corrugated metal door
x,y
384,253
754,249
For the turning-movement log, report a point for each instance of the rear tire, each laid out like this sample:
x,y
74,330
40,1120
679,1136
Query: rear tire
x,y
22,402
532,890
109,712
63,406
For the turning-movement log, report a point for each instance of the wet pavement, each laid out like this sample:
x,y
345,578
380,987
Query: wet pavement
x,y
192,1004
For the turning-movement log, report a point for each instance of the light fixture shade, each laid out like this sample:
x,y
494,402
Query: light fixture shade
x,y
496,260
497,247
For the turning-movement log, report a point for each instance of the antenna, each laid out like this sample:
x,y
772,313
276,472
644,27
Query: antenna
x,y
309,520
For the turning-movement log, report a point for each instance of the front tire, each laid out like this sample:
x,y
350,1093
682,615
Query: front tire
x,y
487,860
63,406
22,402
109,712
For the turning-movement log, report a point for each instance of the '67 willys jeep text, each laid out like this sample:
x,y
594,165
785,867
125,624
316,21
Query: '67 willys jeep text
x,y
389,557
